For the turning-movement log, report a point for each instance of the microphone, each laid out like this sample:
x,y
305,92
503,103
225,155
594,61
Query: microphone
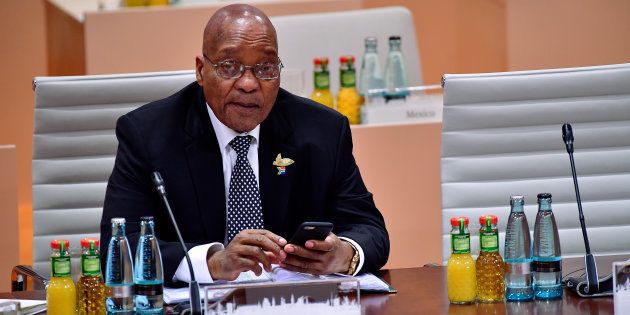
x,y
193,286
567,136
592,285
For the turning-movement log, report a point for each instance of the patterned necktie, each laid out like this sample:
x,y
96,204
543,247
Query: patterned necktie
x,y
244,206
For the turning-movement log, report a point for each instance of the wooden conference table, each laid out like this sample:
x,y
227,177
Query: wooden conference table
x,y
423,291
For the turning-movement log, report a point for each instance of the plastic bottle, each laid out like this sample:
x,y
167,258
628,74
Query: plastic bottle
x,y
547,263
321,81
119,271
518,258
61,294
489,265
460,268
371,76
395,71
148,275
90,287
348,99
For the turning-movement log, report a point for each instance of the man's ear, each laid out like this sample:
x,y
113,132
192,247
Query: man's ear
x,y
199,69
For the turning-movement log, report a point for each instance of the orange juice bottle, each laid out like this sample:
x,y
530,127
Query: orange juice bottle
x,y
490,266
461,277
348,100
61,295
321,81
90,287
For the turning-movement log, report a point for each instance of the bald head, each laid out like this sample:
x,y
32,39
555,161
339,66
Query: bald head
x,y
236,18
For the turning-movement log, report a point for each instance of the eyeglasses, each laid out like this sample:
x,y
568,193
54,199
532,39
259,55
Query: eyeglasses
x,y
232,69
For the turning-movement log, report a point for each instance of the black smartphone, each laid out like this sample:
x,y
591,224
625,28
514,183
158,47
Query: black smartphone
x,y
311,231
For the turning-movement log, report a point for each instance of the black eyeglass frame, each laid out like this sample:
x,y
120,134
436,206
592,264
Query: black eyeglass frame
x,y
243,68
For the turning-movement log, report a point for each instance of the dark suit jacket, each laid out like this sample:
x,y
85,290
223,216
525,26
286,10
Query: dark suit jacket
x,y
174,136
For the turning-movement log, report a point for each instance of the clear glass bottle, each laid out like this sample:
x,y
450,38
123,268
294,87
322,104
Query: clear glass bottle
x,y
61,294
461,277
517,255
321,81
119,271
371,75
547,262
489,265
90,287
348,99
148,275
395,71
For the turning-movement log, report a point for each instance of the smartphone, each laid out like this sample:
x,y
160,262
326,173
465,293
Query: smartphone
x,y
311,231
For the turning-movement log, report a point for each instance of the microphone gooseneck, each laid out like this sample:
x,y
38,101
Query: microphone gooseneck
x,y
193,286
589,261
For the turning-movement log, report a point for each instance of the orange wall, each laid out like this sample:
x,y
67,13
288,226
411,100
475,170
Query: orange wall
x,y
9,209
456,36
22,56
401,165
567,33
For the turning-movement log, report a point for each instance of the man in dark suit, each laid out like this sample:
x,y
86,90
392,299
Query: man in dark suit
x,y
244,163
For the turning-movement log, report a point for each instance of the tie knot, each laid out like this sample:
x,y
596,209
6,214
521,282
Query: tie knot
x,y
240,144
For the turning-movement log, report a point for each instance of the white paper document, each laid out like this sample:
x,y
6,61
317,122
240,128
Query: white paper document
x,y
367,281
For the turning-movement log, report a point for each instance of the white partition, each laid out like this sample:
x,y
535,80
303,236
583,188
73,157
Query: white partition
x,y
502,136
302,37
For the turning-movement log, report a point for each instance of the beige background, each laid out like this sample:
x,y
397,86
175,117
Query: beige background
x,y
453,37
9,242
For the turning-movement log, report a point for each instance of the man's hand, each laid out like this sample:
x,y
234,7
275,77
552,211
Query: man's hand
x,y
319,257
247,250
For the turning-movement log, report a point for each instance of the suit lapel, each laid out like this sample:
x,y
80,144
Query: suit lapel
x,y
206,169
276,137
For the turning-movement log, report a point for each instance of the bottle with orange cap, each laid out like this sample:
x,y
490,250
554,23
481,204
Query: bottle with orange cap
x,y
321,81
61,294
461,278
348,100
90,287
490,266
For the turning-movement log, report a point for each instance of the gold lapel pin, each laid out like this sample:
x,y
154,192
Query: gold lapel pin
x,y
282,164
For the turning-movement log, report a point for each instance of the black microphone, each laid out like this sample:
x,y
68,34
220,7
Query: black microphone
x,y
567,136
592,285
193,286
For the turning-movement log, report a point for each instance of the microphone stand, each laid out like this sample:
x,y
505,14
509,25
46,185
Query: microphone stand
x,y
592,277
193,286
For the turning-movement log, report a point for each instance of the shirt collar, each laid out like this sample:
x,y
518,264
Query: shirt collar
x,y
225,134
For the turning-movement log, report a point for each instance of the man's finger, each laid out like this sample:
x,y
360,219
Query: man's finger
x,y
308,265
255,253
244,264
324,246
301,269
265,240
302,252
278,239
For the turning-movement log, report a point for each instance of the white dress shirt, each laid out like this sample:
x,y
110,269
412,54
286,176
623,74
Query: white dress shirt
x,y
199,253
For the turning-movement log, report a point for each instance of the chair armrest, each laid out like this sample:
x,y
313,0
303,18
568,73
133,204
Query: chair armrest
x,y
21,273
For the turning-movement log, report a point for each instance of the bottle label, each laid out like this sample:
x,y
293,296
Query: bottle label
x,y
60,266
91,265
460,243
489,241
322,81
548,266
523,268
148,289
348,78
120,291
